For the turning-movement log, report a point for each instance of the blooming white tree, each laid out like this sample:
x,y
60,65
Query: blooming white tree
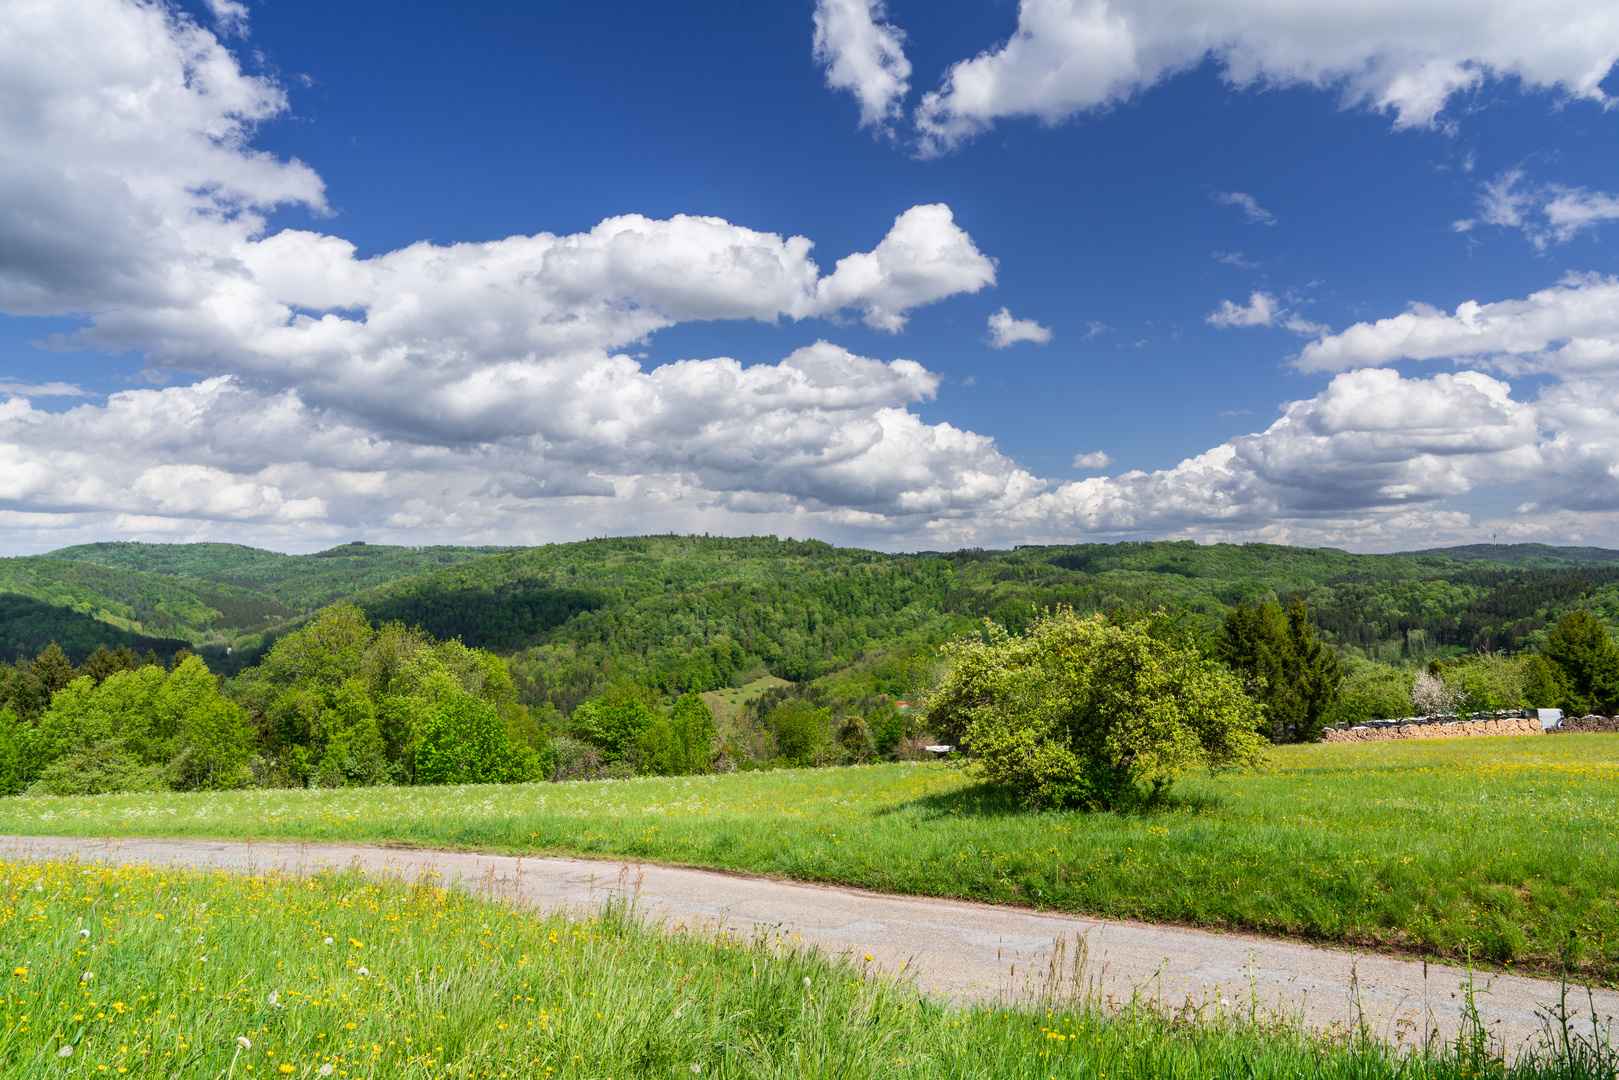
x,y
1432,696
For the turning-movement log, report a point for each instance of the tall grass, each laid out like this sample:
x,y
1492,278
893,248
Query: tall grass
x,y
1499,849
133,971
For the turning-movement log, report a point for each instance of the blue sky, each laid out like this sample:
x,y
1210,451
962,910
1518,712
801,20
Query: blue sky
x,y
1272,160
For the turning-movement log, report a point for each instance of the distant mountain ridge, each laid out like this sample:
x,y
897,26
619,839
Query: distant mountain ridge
x,y
1527,555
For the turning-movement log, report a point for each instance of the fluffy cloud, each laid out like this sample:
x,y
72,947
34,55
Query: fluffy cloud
x,y
1369,447
864,55
1070,56
1571,330
1096,459
1005,331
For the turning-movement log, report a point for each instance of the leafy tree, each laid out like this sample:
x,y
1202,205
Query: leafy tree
x,y
18,754
1093,713
465,741
342,702
613,722
1544,685
681,744
1285,667
140,730
800,730
1583,652
1373,692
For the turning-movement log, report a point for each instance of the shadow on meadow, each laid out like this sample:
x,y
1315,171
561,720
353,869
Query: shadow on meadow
x,y
987,800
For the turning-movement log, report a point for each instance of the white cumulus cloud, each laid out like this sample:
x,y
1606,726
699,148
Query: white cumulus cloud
x,y
1005,331
865,55
1096,459
1570,329
1068,57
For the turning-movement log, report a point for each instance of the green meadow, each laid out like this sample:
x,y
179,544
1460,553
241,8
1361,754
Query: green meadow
x,y
1502,850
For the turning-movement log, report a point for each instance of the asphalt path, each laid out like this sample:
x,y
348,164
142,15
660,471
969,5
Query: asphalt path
x,y
955,949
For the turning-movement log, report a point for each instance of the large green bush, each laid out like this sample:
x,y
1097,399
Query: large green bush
x,y
465,741
1092,712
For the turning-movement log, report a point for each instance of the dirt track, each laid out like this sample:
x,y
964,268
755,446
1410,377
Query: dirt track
x,y
961,950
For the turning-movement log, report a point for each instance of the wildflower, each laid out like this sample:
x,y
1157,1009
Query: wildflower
x,y
696,1068
20,971
326,1070
244,1042
159,916
65,1052
328,941
806,980
363,972
286,1069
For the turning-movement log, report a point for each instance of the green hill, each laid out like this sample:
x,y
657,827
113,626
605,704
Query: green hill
x,y
692,612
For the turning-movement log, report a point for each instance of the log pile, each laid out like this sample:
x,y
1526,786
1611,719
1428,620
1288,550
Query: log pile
x,y
1460,729
1583,725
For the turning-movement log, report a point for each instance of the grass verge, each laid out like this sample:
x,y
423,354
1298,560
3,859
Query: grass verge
x,y
1501,849
134,971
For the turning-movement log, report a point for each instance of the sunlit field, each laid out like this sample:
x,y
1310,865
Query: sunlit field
x,y
133,971
1500,849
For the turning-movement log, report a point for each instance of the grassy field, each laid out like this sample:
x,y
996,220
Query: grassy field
x,y
727,704
1495,848
134,971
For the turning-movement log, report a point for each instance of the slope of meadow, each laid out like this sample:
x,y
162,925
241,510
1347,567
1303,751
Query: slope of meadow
x,y
1499,849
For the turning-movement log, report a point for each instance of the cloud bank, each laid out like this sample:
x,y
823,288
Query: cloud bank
x,y
484,391
1069,57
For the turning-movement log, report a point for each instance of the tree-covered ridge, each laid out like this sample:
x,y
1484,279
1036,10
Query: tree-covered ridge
x,y
300,583
679,613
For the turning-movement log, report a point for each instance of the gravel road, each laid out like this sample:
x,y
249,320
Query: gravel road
x,y
965,951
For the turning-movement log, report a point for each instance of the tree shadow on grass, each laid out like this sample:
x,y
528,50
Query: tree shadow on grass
x,y
986,800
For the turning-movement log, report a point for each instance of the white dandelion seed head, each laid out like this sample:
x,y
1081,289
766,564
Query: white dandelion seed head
x,y
87,976
204,960
806,980
326,1070
328,941
84,933
273,998
65,1052
363,972
244,1042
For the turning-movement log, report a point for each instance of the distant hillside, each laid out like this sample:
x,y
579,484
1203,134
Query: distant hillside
x,y
1537,556
701,612
28,625
300,583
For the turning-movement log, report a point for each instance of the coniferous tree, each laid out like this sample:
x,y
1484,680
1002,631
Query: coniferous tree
x,y
1284,667
1585,655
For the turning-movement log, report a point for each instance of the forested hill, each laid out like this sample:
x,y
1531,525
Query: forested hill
x,y
698,612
